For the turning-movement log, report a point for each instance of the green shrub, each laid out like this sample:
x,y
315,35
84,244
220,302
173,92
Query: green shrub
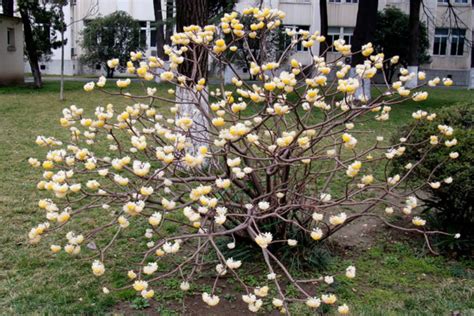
x,y
451,206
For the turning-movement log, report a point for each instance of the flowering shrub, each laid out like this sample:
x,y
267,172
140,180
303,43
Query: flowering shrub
x,y
259,162
448,203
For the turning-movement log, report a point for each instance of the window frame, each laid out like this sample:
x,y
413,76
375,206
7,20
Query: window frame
x,y
460,42
344,1
460,2
299,47
456,37
441,38
11,39
342,33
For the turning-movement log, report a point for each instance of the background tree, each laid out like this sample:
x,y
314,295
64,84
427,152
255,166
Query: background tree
x,y
365,27
276,41
170,21
59,5
217,8
192,13
160,30
40,26
414,40
165,25
194,67
392,30
112,36
8,7
323,15
363,33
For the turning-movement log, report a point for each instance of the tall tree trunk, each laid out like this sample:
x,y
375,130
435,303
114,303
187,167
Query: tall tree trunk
x,y
8,8
160,36
63,26
30,47
193,104
323,15
192,13
365,28
414,35
363,33
61,88
169,21
413,41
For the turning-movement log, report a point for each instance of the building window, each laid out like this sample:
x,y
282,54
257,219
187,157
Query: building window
x,y
296,28
454,38
297,1
440,41
143,31
455,1
343,1
10,39
339,32
152,36
457,42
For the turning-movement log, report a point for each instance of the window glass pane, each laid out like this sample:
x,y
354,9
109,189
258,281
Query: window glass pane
x,y
9,37
330,40
348,39
436,46
441,32
444,44
461,46
153,38
454,45
143,38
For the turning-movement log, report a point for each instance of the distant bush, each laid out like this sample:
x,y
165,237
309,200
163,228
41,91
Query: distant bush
x,y
451,205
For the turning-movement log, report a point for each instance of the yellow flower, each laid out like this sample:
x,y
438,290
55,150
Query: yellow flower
x,y
316,234
167,76
98,268
89,86
155,219
338,219
140,285
328,298
123,83
218,122
447,82
420,96
343,309
417,221
55,248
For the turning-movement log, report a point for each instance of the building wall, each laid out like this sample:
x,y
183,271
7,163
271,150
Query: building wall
x,y
458,67
11,56
298,13
449,62
75,13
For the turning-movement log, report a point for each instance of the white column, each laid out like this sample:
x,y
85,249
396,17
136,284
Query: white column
x,y
148,38
471,78
363,92
413,82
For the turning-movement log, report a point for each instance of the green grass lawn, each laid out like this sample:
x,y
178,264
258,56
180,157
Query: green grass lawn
x,y
394,278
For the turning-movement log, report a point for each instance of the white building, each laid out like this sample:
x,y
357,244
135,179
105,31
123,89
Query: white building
x,y
77,12
451,54
11,50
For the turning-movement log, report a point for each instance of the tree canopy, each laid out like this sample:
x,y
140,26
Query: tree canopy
x,y
391,36
41,21
112,36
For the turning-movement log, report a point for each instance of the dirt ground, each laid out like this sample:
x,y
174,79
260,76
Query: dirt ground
x,y
358,235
